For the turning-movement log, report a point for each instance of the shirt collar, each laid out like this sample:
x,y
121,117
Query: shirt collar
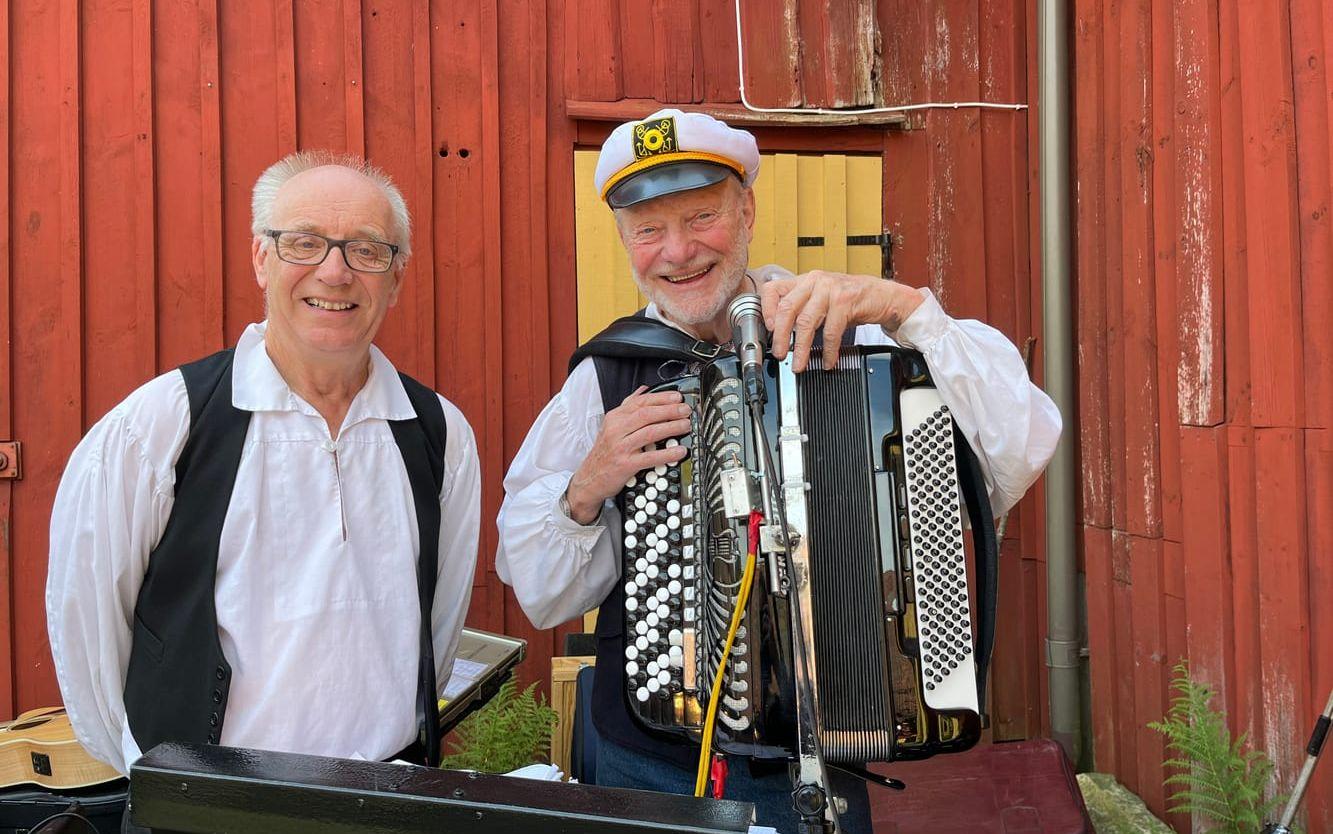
x,y
258,386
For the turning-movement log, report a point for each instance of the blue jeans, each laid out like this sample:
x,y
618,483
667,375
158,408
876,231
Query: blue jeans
x,y
622,767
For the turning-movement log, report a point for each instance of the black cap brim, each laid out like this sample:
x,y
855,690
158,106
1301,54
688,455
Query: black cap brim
x,y
664,179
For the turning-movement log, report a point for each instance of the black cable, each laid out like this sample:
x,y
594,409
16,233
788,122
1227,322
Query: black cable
x,y
70,814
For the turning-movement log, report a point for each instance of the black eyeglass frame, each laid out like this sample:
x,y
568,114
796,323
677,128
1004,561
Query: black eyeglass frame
x,y
331,244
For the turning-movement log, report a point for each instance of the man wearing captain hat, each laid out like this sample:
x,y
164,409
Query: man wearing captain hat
x,y
680,187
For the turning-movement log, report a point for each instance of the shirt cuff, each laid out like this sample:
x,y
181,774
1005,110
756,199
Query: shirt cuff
x,y
925,326
568,526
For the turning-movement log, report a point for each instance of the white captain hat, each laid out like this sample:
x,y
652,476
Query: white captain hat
x,y
672,151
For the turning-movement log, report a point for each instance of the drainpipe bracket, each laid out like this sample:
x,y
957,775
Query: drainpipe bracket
x,y
1062,654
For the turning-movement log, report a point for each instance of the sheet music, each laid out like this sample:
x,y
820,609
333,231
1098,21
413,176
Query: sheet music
x,y
465,673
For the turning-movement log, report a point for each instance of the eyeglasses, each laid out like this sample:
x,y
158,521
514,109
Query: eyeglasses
x,y
310,249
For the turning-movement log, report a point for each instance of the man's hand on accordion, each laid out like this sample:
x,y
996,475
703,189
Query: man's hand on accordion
x,y
625,446
802,304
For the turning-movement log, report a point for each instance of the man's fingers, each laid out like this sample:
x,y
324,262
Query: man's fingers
x,y
659,457
642,397
787,310
770,295
650,434
807,325
835,324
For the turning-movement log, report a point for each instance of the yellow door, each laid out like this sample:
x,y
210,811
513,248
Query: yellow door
x,y
807,208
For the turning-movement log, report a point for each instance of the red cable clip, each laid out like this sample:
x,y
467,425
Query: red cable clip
x,y
718,773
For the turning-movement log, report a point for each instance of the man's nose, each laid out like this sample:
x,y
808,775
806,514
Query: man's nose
x,y
334,269
678,245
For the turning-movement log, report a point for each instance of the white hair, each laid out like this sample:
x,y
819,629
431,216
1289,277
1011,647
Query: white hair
x,y
277,175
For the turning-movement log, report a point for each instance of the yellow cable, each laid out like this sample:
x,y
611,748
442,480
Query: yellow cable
x,y
747,579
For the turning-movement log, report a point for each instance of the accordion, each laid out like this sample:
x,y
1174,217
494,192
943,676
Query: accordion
x,y
870,572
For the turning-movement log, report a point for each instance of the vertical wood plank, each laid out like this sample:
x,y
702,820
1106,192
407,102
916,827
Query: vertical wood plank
x,y
247,143
1162,217
1245,569
1126,662
834,178
1102,630
353,78
9,628
639,71
1091,276
1150,680
46,285
1319,469
285,115
1208,582
322,48
717,49
1310,36
592,39
1274,305
1198,232
1235,319
117,257
673,49
145,202
1000,43
770,37
1143,514
1284,597
1115,236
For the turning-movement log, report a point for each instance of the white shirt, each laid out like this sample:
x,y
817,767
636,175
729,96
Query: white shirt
x,y
560,569
316,588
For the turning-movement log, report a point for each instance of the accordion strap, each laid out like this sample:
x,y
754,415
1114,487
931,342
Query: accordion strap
x,y
985,549
639,337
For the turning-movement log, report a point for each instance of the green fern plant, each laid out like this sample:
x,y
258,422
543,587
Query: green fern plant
x,y
513,729
1218,778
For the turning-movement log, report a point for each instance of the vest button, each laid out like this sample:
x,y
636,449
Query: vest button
x,y
212,738
213,719
221,673
217,696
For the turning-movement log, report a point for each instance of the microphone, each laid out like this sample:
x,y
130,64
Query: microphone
x,y
751,339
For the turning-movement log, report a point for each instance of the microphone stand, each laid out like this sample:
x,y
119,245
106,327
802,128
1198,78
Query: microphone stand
x,y
1312,751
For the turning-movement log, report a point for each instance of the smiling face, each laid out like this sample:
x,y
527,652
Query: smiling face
x,y
689,250
328,313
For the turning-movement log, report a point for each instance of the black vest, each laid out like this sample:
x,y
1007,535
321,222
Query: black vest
x,y
178,680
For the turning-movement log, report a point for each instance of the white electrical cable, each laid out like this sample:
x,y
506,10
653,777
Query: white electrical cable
x,y
865,111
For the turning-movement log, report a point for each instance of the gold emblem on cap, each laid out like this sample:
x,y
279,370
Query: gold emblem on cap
x,y
655,137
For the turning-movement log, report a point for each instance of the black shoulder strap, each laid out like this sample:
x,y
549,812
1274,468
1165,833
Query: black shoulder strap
x,y
639,337
207,393
985,551
421,442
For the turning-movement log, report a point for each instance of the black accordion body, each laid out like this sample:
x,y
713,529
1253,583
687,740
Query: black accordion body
x,y
870,468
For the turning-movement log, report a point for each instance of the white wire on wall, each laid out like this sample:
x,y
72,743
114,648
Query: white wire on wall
x,y
864,111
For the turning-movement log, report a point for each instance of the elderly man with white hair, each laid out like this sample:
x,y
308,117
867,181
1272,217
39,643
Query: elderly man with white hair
x,y
680,186
273,547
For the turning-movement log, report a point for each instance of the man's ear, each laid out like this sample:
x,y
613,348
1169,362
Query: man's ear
x,y
399,271
747,207
259,253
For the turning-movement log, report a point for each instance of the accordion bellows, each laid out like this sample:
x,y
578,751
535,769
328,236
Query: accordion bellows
x,y
871,487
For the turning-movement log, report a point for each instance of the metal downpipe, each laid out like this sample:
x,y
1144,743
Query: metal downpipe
x,y
1062,640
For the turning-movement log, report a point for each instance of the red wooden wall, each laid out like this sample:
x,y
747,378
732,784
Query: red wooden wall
x,y
131,132
1205,305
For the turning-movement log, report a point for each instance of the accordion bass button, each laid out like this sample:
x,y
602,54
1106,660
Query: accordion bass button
x,y
631,604
673,571
631,652
631,668
676,638
642,694
631,525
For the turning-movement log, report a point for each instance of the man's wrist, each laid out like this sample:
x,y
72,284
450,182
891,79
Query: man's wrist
x,y
577,512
